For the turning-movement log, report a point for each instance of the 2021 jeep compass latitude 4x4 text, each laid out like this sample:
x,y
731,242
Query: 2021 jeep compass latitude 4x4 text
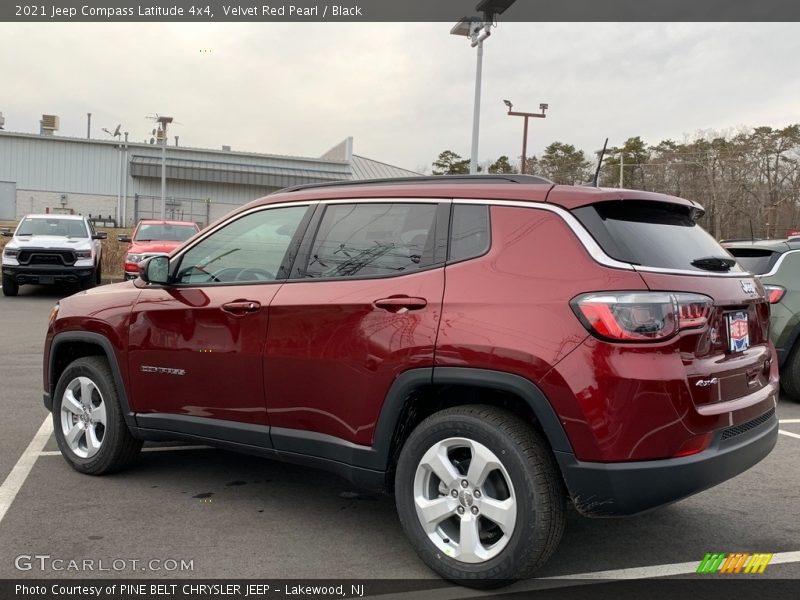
x,y
487,349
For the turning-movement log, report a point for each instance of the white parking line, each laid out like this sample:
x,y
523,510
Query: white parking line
x,y
21,470
789,421
592,577
156,449
789,433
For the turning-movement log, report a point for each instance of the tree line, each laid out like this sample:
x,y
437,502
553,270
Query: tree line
x,y
748,181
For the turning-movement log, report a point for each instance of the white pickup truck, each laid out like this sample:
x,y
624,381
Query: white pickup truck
x,y
52,249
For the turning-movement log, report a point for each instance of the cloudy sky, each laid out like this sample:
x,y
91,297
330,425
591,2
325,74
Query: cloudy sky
x,y
404,91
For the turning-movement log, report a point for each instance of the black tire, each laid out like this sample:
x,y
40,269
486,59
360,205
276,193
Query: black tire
x,y
118,449
89,282
790,374
10,287
98,275
534,475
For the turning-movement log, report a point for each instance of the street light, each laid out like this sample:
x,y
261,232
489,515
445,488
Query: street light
x,y
163,122
542,107
477,29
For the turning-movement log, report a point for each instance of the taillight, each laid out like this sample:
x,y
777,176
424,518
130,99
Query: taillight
x,y
641,316
774,293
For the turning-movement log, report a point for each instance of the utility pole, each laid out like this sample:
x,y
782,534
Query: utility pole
x,y
621,167
526,115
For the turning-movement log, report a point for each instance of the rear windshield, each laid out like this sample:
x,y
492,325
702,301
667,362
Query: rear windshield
x,y
164,232
651,234
756,261
73,228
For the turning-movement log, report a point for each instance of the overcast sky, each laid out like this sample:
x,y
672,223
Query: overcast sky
x,y
404,91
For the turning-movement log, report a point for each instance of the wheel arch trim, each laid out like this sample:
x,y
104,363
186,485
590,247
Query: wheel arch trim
x,y
406,383
105,345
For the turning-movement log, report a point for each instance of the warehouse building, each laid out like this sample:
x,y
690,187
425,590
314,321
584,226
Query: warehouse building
x,y
119,182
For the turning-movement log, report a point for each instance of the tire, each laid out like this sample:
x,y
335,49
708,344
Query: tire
x,y
95,450
98,275
10,287
526,481
89,282
790,374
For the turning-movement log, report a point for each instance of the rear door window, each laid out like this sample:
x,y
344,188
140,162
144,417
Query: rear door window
x,y
652,234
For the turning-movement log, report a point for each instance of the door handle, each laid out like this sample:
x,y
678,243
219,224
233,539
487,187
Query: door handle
x,y
401,303
239,308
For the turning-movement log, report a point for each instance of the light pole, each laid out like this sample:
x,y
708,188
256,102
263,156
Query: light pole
x,y
163,122
477,29
540,115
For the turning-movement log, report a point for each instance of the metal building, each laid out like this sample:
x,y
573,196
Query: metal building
x,y
120,182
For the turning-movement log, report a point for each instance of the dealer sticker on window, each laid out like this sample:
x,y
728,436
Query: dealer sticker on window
x,y
738,331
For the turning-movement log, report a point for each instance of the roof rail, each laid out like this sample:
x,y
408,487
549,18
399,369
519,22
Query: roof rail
x,y
425,179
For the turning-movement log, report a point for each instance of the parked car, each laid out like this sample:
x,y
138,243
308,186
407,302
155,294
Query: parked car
x,y
151,238
486,348
52,249
777,265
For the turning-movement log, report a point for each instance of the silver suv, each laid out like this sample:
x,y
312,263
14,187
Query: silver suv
x,y
52,249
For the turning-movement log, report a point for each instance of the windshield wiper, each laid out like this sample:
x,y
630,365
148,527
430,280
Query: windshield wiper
x,y
714,263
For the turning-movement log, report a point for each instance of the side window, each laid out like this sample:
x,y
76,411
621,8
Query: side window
x,y
92,230
368,240
250,249
469,233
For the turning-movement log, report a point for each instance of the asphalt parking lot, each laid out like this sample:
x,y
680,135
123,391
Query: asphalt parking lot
x,y
236,516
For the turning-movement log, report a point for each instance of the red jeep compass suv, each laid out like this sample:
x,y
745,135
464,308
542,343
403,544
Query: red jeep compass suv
x,y
486,348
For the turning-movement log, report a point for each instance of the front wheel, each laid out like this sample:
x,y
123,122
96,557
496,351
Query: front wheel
x,y
87,417
479,496
10,287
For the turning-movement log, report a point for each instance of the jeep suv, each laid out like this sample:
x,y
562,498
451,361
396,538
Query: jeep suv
x,y
486,348
776,263
152,237
52,249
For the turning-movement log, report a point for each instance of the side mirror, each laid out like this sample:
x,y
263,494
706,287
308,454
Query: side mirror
x,y
124,238
8,233
155,270
100,236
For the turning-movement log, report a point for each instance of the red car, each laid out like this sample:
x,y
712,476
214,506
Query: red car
x,y
153,237
486,348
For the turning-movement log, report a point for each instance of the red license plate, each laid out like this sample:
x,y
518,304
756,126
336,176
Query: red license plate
x,y
738,332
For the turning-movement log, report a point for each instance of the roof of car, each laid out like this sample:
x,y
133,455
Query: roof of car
x,y
506,187
165,222
55,216
783,245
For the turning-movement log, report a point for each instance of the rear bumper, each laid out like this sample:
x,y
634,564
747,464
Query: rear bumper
x,y
619,489
47,273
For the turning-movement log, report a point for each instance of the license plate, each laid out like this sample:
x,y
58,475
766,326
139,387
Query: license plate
x,y
738,331
43,279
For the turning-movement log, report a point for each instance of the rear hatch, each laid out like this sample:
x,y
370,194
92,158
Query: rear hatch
x,y
726,356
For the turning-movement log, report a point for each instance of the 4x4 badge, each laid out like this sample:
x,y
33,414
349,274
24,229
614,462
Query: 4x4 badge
x,y
748,287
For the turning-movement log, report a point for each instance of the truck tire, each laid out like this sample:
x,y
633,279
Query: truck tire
x,y
10,287
479,496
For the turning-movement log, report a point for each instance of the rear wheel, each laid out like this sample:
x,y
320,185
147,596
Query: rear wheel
x,y
790,374
87,417
10,287
479,496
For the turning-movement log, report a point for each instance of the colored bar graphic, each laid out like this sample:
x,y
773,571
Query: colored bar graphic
x,y
737,562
